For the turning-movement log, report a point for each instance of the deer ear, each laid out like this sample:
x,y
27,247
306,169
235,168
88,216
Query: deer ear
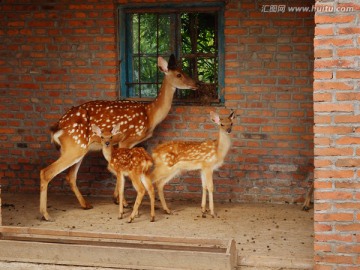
x,y
172,62
96,130
215,117
162,64
232,115
116,129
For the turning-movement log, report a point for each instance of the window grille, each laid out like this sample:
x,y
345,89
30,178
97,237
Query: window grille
x,y
192,34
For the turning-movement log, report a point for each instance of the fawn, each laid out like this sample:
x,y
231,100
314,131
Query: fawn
x,y
173,157
134,163
72,133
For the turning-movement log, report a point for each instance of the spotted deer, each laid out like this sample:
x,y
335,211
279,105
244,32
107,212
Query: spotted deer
x,y
73,133
173,157
134,163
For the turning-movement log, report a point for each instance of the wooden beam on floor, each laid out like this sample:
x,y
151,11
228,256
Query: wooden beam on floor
x,y
22,244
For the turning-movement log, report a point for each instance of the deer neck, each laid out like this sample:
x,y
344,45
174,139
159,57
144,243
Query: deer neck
x,y
107,152
160,107
223,144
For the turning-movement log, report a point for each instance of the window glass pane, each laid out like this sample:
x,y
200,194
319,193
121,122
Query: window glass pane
x,y
189,67
148,69
137,90
164,34
198,32
148,90
135,32
135,65
206,33
148,26
186,33
207,70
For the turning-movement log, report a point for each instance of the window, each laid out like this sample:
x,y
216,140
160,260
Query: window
x,y
194,33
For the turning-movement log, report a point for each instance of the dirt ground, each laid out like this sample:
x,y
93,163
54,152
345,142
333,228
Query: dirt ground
x,y
267,235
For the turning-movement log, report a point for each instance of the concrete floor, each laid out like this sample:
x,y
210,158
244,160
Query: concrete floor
x,y
268,236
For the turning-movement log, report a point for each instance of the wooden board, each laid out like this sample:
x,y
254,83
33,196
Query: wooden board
x,y
115,250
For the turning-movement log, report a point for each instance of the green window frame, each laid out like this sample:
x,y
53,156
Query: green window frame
x,y
193,32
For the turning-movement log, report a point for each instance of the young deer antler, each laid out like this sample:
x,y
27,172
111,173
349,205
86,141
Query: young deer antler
x,y
138,120
134,163
173,157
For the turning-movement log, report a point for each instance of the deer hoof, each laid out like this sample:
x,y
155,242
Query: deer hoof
x,y
131,219
87,206
152,219
167,211
116,200
46,217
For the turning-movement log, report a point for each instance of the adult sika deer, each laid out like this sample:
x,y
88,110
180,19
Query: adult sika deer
x,y
74,135
173,157
134,163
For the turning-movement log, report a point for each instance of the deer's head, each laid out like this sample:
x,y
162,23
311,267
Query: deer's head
x,y
106,137
225,123
175,76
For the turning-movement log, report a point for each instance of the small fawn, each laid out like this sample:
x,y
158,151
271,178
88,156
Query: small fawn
x,y
173,157
134,163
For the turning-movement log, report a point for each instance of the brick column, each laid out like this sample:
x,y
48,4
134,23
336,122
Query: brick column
x,y
337,135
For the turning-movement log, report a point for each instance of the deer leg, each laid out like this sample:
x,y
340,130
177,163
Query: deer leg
x,y
203,197
160,187
160,176
207,175
48,173
140,189
120,181
116,197
116,190
71,179
150,189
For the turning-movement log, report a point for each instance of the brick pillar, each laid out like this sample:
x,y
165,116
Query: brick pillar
x,y
337,135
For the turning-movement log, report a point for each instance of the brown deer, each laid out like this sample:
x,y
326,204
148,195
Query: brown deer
x,y
307,202
134,163
73,133
173,157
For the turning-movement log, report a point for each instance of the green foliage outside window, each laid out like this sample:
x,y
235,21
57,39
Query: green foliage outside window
x,y
191,36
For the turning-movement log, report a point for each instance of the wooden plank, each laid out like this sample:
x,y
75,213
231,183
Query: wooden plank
x,y
95,256
127,244
63,233
115,250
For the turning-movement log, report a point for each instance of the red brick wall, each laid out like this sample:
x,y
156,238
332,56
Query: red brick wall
x,y
336,106
54,56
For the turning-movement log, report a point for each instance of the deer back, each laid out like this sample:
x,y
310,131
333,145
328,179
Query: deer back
x,y
131,115
127,160
181,152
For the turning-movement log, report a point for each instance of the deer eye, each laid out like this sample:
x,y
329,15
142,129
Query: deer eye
x,y
178,75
